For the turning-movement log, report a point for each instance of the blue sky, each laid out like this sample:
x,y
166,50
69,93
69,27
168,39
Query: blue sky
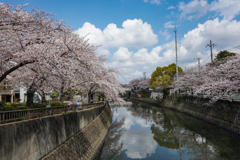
x,y
137,35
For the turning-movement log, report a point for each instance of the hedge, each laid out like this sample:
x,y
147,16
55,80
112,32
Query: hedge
x,y
57,104
18,106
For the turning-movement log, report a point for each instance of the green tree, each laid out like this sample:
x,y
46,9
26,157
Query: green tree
x,y
164,76
53,94
223,54
72,92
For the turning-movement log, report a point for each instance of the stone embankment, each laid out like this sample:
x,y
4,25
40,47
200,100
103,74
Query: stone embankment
x,y
36,138
85,144
224,114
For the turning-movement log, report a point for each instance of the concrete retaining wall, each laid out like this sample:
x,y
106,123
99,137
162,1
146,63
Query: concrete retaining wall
x,y
223,113
33,139
84,144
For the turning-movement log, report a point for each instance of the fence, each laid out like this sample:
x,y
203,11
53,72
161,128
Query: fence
x,y
17,115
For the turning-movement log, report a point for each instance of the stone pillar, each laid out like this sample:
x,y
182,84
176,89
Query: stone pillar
x,y
0,97
94,98
12,98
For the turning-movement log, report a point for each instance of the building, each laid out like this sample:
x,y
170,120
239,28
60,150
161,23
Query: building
x,y
23,96
7,92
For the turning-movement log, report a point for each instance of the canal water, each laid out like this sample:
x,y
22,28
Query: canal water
x,y
148,132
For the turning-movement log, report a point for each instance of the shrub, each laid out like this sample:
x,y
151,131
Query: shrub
x,y
2,104
57,104
7,108
21,107
179,99
39,105
17,105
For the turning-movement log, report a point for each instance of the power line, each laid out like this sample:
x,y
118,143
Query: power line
x,y
206,59
233,47
211,46
229,37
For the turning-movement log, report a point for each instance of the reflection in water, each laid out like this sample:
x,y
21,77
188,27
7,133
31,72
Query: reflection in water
x,y
158,133
111,149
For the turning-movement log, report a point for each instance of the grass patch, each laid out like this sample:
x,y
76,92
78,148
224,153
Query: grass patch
x,y
145,94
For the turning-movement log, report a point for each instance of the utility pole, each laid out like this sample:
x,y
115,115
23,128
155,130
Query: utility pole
x,y
211,46
144,75
198,63
176,55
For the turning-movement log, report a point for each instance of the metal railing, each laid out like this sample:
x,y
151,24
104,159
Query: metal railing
x,y
6,87
17,115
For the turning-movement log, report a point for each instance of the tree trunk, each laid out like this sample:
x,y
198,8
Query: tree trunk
x,y
89,98
165,93
30,94
61,92
44,99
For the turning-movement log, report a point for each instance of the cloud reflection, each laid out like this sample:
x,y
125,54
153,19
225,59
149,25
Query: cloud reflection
x,y
139,143
138,140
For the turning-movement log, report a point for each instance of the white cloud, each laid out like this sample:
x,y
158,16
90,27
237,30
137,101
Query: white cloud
x,y
197,8
169,25
214,30
102,51
145,67
152,1
172,15
191,46
171,7
94,34
122,54
227,8
134,33
137,73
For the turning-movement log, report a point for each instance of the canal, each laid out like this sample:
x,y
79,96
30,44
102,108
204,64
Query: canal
x,y
148,132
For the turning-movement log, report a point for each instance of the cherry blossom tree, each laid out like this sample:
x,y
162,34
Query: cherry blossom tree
x,y
25,36
215,81
104,82
43,53
141,83
223,80
192,78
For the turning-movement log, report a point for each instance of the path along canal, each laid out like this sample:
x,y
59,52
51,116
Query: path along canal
x,y
152,132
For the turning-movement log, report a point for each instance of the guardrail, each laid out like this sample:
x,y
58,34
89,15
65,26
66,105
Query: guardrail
x,y
6,87
17,115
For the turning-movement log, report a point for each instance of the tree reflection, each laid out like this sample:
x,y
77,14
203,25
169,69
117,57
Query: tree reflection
x,y
176,131
164,138
193,139
112,146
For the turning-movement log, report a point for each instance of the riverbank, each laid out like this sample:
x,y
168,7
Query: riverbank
x,y
35,138
86,143
151,132
222,113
